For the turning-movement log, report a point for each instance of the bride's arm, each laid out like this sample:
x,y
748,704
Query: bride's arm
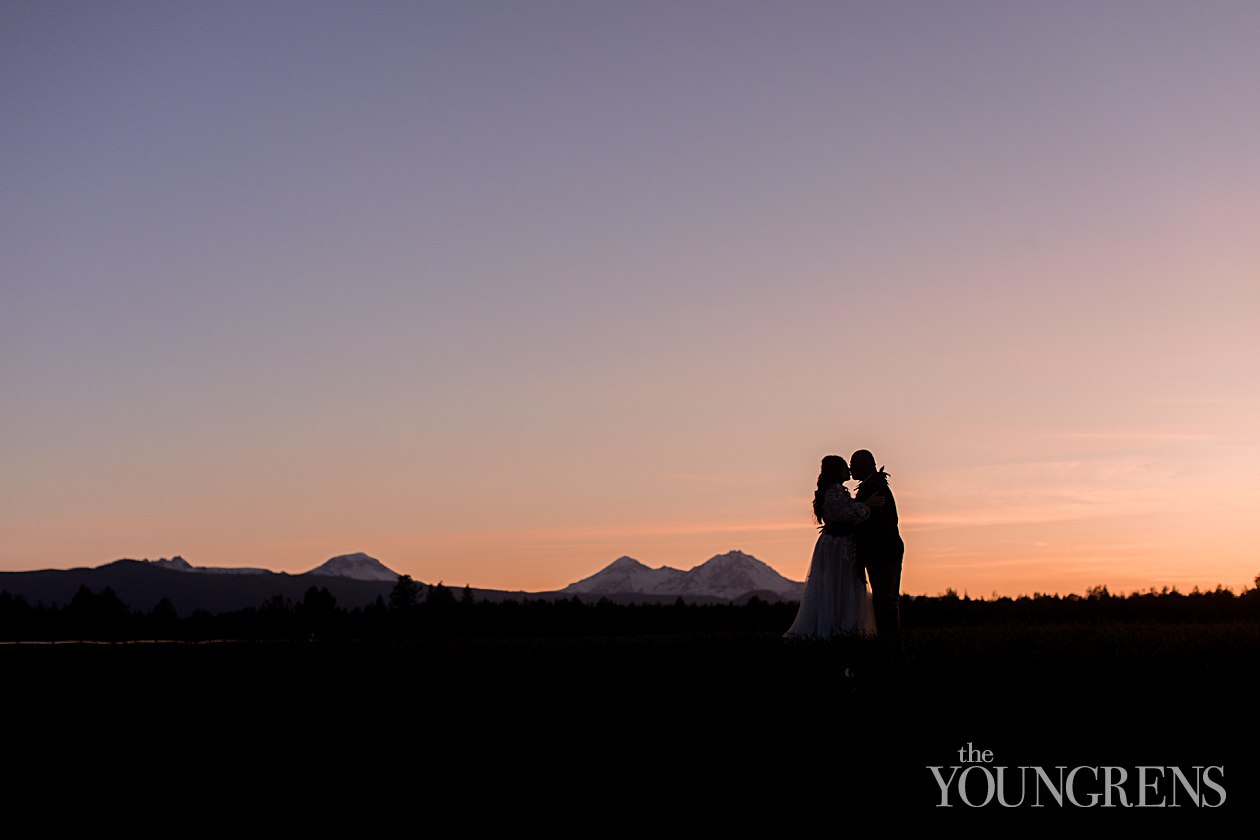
x,y
838,506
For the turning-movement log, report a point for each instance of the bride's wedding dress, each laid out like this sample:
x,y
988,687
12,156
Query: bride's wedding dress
x,y
836,600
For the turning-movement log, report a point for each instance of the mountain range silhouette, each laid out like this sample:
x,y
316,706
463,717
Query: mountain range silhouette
x,y
357,579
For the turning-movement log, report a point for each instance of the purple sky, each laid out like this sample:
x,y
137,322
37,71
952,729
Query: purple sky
x,y
498,291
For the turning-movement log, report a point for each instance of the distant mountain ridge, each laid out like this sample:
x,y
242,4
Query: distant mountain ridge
x,y
357,566
142,584
179,564
357,579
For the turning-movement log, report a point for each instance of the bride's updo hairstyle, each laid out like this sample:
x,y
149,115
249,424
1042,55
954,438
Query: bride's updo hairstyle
x,y
833,471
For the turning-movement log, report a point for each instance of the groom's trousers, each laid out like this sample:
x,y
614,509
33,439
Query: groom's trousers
x,y
883,565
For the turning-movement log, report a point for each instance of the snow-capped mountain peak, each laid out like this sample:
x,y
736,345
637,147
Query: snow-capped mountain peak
x,y
726,576
625,574
357,566
732,559
736,572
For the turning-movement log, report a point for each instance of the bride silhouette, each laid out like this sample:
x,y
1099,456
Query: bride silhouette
x,y
836,601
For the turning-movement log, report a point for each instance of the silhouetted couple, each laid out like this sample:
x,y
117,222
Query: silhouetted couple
x,y
858,537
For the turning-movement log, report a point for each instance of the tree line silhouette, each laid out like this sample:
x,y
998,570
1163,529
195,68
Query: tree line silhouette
x,y
414,610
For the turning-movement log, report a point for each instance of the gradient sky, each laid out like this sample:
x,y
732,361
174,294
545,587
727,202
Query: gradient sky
x,y
499,291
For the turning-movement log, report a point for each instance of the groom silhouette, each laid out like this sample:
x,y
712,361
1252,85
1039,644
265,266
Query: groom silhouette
x,y
880,549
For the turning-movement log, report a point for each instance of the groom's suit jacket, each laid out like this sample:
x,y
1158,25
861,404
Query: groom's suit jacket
x,y
878,540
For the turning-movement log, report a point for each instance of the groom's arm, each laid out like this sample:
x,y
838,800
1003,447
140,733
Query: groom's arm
x,y
879,513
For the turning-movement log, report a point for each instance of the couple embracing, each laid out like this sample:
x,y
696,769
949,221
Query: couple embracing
x,y
858,537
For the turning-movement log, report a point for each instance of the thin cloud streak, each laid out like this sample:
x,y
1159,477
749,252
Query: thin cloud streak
x,y
1123,436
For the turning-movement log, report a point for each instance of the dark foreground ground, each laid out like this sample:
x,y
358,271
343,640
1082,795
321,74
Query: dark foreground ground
x,y
729,729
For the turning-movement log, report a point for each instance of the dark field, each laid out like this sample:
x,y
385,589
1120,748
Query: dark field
x,y
707,726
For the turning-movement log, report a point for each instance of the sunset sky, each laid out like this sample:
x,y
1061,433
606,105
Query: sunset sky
x,y
497,292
